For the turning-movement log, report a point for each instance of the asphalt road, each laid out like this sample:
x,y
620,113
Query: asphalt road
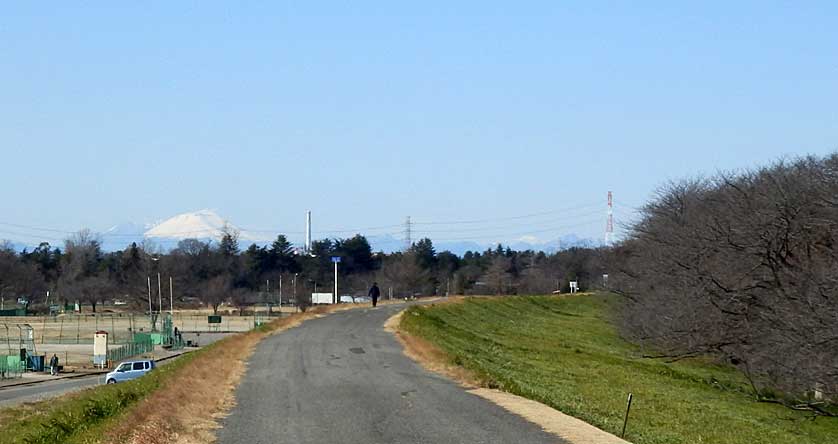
x,y
14,395
343,379
43,390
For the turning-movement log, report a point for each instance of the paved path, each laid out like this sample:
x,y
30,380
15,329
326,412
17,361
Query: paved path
x,y
343,379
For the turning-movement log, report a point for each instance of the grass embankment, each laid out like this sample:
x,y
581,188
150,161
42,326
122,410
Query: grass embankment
x,y
180,402
72,418
564,352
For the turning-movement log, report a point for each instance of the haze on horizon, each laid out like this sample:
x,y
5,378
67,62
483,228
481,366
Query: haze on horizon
x,y
368,113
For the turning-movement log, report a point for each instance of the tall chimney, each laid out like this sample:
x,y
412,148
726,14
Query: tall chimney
x,y
308,232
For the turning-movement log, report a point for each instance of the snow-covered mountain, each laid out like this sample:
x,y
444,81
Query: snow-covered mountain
x,y
203,224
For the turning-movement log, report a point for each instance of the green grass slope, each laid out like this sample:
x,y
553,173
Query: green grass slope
x,y
564,352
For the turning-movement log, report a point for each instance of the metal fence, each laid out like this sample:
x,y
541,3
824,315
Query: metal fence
x,y
11,366
80,329
129,350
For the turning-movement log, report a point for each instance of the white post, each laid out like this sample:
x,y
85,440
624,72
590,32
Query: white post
x,y
149,295
280,293
171,298
336,299
159,295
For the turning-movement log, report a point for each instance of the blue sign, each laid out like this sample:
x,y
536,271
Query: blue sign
x,y
336,259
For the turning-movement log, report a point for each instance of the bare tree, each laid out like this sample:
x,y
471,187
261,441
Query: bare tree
x,y
242,298
497,277
742,266
403,273
216,292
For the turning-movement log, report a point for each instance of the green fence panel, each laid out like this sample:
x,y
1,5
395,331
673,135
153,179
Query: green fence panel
x,y
145,345
13,312
11,366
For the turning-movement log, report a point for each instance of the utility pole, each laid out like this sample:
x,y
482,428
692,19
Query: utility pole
x,y
150,310
171,297
268,296
159,295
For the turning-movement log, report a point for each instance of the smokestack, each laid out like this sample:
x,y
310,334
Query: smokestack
x,y
308,232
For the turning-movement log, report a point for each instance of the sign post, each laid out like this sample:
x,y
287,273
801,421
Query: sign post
x,y
336,260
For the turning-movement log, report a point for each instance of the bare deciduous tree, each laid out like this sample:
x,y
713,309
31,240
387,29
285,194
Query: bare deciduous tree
x,y
742,266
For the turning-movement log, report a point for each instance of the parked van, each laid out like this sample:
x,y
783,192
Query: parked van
x,y
129,370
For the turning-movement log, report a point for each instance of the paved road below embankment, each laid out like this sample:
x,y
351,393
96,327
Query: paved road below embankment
x,y
343,379
19,394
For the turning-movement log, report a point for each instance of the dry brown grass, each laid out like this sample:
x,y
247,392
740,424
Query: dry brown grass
x,y
188,407
429,355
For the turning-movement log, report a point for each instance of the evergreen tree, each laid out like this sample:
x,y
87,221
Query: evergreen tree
x,y
282,254
229,245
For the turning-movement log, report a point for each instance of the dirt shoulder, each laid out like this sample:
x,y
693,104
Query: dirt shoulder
x,y
203,391
431,357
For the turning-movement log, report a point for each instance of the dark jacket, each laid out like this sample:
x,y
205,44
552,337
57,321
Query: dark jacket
x,y
374,293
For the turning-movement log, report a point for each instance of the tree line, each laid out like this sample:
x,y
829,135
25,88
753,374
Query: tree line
x,y
214,273
743,266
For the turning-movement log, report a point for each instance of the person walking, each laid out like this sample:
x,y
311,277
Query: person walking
x,y
53,365
374,293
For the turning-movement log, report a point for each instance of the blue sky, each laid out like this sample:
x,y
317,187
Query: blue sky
x,y
367,112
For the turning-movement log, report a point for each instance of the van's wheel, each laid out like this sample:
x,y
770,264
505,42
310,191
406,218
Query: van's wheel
x,y
111,381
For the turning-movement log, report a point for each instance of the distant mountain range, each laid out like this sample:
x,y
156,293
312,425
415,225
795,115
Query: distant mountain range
x,y
207,225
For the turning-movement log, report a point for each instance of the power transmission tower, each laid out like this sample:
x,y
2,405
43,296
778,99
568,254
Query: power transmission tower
x,y
408,242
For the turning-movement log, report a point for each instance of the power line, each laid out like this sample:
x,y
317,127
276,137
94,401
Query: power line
x,y
466,230
408,241
524,233
500,219
409,230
